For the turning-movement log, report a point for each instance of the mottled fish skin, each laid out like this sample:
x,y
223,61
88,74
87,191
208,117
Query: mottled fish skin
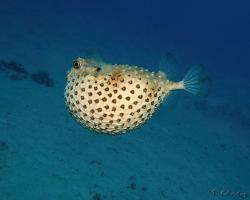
x,y
113,99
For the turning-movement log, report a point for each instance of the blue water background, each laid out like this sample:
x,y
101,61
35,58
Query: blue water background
x,y
192,148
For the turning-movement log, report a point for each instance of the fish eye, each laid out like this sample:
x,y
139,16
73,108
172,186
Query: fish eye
x,y
76,64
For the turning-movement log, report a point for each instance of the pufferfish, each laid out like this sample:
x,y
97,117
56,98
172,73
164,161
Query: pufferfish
x,y
115,98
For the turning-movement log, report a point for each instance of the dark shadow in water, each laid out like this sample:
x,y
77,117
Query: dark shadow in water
x,y
16,71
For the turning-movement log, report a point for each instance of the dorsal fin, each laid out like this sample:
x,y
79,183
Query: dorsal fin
x,y
169,65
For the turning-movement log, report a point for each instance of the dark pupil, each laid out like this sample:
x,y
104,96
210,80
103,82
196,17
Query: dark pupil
x,y
76,64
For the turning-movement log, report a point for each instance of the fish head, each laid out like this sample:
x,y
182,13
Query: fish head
x,y
82,67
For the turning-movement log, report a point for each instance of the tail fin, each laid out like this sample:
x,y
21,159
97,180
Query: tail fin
x,y
192,80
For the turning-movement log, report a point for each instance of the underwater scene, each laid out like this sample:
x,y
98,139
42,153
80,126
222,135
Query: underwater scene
x,y
124,100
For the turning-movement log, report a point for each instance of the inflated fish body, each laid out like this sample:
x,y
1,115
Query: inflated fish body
x,y
114,99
